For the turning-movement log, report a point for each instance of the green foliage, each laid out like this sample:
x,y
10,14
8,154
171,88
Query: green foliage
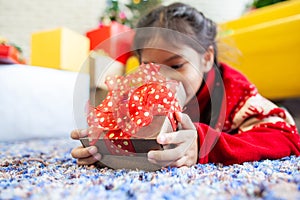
x,y
263,3
127,13
141,8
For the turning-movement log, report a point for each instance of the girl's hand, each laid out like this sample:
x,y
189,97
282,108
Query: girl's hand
x,y
84,156
183,143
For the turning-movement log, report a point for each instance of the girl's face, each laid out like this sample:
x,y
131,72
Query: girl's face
x,y
182,64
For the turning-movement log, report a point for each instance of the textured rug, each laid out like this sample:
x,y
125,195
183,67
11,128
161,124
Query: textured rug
x,y
44,169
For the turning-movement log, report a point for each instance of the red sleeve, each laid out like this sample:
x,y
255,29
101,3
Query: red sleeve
x,y
270,141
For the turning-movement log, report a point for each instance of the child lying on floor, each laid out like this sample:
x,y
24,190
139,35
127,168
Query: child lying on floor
x,y
225,119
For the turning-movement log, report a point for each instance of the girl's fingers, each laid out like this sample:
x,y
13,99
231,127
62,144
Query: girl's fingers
x,y
78,133
82,152
89,160
183,161
177,137
184,120
167,155
161,162
159,158
183,153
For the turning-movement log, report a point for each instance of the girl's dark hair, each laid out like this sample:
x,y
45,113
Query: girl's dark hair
x,y
181,24
181,18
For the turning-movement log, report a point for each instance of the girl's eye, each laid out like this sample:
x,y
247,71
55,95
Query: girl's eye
x,y
177,66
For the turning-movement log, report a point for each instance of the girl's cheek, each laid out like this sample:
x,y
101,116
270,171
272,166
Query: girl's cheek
x,y
188,92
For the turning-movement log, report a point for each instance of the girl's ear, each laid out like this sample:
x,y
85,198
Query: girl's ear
x,y
208,59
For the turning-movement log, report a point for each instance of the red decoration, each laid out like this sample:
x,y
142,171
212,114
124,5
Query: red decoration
x,y
115,39
132,102
10,55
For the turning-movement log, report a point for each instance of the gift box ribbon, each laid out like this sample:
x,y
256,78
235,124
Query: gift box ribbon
x,y
131,103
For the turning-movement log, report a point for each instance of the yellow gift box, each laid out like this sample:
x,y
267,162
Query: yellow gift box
x,y
264,14
268,45
60,48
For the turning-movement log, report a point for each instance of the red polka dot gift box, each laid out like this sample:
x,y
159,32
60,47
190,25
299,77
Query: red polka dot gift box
x,y
137,107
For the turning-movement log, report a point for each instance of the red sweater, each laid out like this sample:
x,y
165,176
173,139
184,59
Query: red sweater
x,y
242,126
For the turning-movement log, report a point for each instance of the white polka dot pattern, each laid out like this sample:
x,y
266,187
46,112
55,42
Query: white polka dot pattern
x,y
131,103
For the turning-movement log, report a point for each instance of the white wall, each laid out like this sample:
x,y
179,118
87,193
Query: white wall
x,y
20,18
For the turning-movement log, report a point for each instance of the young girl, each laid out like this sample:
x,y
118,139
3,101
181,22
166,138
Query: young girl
x,y
225,120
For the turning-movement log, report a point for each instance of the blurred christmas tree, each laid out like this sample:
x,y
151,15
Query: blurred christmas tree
x,y
255,4
263,3
127,12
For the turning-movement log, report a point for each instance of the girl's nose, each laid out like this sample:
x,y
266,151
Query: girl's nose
x,y
170,73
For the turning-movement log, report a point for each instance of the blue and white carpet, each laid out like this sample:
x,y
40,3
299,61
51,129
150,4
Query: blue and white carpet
x,y
44,169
